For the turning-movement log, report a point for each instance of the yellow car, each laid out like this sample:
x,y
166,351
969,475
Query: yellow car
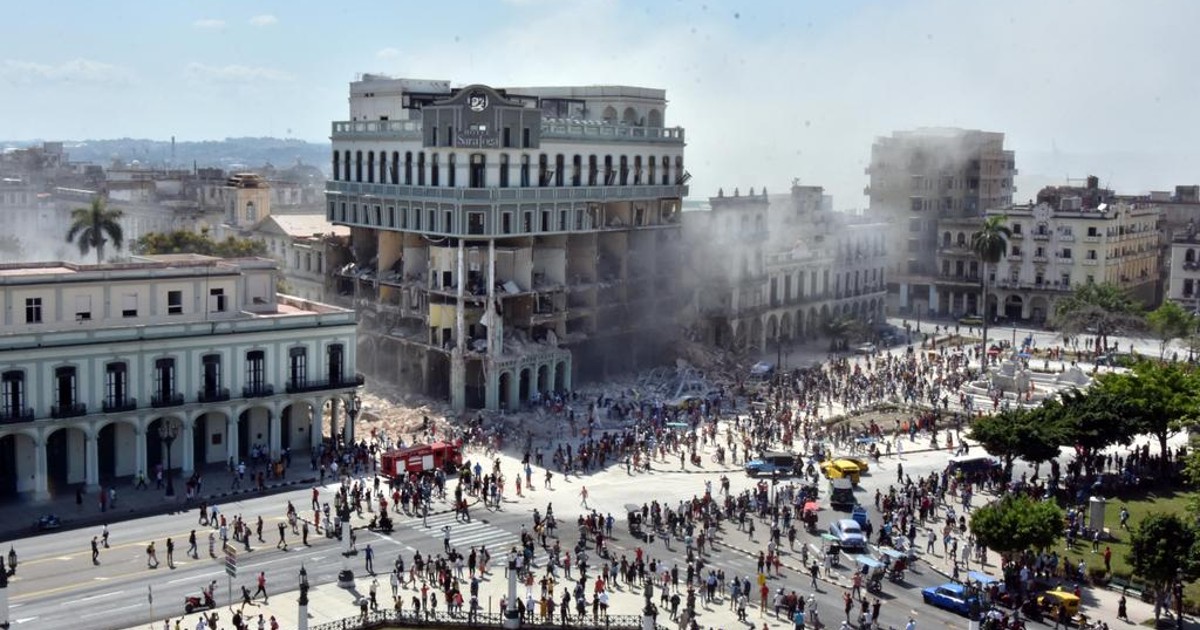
x,y
841,469
861,462
1050,601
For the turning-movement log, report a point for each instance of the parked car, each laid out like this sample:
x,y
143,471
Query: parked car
x,y
950,596
770,463
849,534
865,348
857,460
970,464
841,494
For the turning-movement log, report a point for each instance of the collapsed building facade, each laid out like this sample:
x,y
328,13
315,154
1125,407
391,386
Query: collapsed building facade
x,y
770,270
508,242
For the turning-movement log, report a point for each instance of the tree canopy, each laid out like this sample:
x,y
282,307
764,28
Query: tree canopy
x,y
1017,522
188,242
1093,419
1168,323
1163,548
1034,435
95,226
1100,310
1157,398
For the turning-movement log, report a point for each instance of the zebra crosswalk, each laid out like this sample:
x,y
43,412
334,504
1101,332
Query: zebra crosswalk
x,y
464,535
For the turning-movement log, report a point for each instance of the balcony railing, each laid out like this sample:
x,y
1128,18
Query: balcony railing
x,y
1041,236
161,399
113,405
10,416
258,390
216,394
311,385
72,410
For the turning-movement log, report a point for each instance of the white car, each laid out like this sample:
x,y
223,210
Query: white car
x,y
865,348
850,536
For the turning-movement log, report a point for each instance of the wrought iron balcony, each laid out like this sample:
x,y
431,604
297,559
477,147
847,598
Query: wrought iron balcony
x,y
212,395
258,390
163,399
72,410
310,385
11,416
114,404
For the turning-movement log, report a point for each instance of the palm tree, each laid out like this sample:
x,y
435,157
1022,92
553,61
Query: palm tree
x,y
1100,310
989,243
94,226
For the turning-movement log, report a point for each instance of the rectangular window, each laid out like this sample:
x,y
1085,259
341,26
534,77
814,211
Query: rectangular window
x,y
335,363
256,369
174,302
64,387
216,300
164,379
13,393
211,378
1016,228
129,305
506,223
298,366
33,310
116,384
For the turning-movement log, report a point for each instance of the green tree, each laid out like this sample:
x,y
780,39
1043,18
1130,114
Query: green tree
x,y
1157,398
841,331
1100,310
989,243
1168,323
1033,435
1093,420
188,242
1163,548
1016,523
94,226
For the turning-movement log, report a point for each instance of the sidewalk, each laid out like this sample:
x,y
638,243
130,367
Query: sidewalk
x,y
21,515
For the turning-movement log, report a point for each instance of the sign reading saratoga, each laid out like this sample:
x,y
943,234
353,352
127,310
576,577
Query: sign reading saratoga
x,y
476,139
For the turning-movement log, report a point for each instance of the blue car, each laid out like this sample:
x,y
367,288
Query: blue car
x,y
770,463
950,596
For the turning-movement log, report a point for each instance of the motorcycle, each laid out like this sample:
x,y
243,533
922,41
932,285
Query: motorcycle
x,y
192,603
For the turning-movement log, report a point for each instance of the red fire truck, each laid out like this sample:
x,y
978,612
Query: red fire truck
x,y
419,458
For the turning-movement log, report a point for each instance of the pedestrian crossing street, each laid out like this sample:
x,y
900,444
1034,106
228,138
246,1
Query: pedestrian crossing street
x,y
464,535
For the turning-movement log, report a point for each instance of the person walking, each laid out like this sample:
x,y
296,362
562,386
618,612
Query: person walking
x,y
95,550
282,537
151,556
304,534
192,546
170,553
262,586
583,492
369,557
104,535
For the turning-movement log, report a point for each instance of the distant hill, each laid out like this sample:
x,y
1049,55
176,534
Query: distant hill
x,y
280,152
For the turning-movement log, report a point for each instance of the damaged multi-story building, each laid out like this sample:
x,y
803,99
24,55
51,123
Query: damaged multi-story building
x,y
770,270
510,242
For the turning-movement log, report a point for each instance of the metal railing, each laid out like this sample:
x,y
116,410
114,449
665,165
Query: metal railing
x,y
217,394
72,410
316,385
11,416
444,619
173,399
258,390
112,405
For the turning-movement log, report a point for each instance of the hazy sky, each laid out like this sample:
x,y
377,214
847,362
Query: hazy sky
x,y
768,90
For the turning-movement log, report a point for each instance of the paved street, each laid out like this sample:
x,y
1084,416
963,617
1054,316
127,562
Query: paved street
x,y
57,584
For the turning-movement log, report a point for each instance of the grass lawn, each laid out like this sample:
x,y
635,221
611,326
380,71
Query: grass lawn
x,y
1139,504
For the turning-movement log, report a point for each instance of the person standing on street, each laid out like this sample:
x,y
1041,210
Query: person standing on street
x,y
258,527
170,553
151,556
192,546
282,537
104,535
304,534
95,551
583,492
369,557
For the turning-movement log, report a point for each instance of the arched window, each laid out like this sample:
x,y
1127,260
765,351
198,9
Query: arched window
x,y
504,170
666,174
395,167
421,168
452,171
629,117
678,169
1189,256
637,170
346,166
435,171
559,167
608,171
576,170
650,178
525,171
654,118
962,239
624,171
946,239
610,114
370,167
383,167
358,166
408,168
478,171
543,167
593,170
337,166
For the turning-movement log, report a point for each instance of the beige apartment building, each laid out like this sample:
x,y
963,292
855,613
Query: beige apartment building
x,y
919,178
508,242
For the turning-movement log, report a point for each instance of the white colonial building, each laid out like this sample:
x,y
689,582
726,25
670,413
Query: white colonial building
x,y
96,359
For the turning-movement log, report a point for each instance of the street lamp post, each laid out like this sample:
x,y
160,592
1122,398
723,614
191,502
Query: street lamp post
x,y
346,575
12,561
302,620
168,430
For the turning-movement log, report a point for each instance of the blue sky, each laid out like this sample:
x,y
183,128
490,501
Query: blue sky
x,y
768,90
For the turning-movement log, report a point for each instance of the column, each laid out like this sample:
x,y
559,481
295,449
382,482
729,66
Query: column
x,y
91,463
514,390
231,439
493,343
458,364
551,375
316,422
273,438
187,460
492,389
566,384
139,443
348,428
334,404
41,485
